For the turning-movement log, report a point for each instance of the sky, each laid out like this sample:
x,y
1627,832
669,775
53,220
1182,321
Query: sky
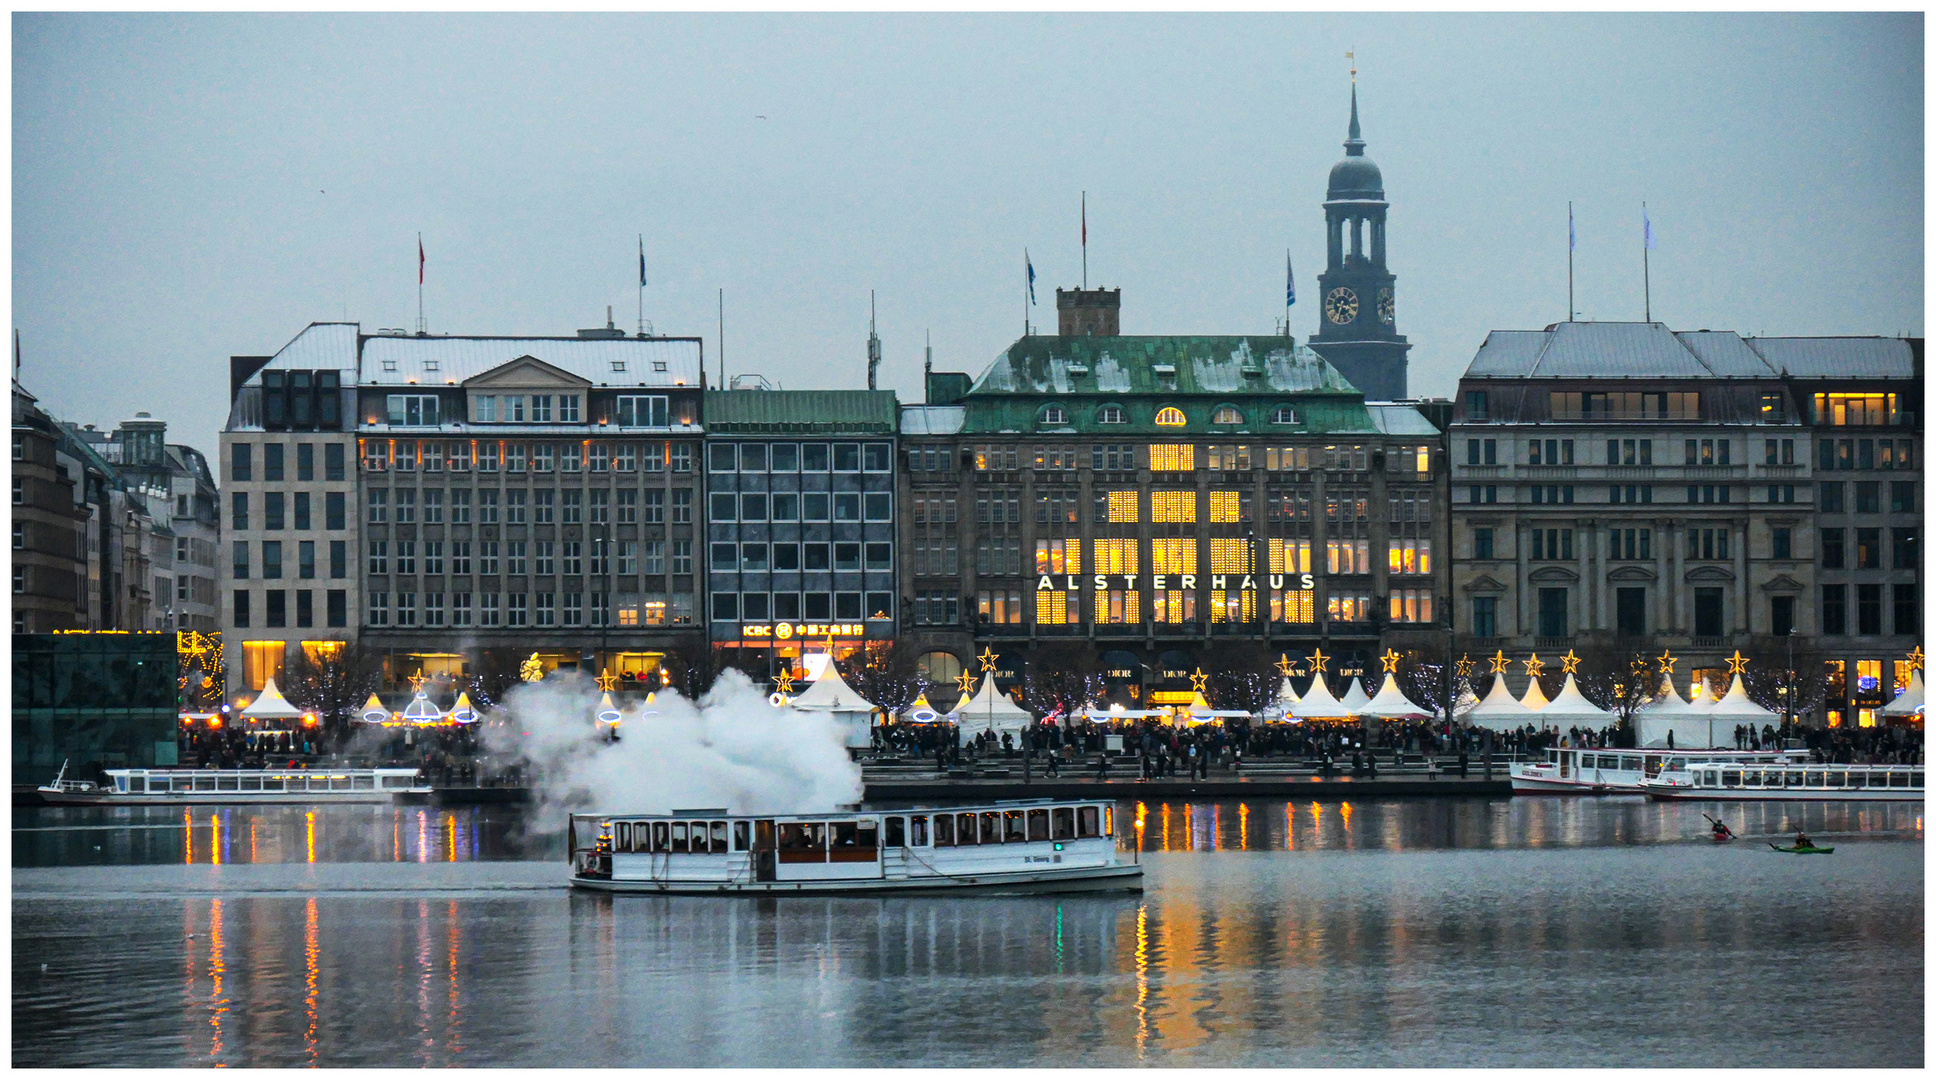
x,y
187,188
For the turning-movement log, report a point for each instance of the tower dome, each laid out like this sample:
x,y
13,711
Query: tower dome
x,y
1357,176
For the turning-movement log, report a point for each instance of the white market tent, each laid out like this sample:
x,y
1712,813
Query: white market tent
x,y
608,713
374,711
422,711
1280,708
1500,711
991,710
1392,704
1736,708
271,705
1200,710
1355,699
1688,724
1910,701
462,711
920,712
1318,704
1535,697
1570,707
1467,702
1701,695
831,694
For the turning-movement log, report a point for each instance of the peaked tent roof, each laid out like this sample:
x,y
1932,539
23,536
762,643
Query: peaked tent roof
x,y
989,701
1535,696
1500,711
1318,704
1572,707
374,711
1735,706
1392,704
1911,698
270,705
422,710
462,711
830,692
1355,698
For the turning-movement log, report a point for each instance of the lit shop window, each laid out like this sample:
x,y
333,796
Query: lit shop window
x,y
1174,605
1170,416
1226,507
1293,606
1173,457
1170,507
1229,555
1173,555
1058,556
1119,606
1411,605
1057,608
1115,556
1347,556
1290,556
1411,556
1350,608
1123,507
1233,605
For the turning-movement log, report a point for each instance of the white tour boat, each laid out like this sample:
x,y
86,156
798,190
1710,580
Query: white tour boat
x,y
1586,771
139,787
1032,846
1743,782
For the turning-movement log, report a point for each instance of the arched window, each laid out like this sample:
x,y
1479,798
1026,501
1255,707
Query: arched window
x,y
1169,416
1111,414
1227,414
1284,414
1055,416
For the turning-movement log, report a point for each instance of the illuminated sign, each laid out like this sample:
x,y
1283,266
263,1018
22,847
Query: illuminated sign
x,y
788,631
1172,697
1245,582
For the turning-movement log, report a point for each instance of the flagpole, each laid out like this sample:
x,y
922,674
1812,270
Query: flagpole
x,y
420,277
1288,279
1646,278
641,284
1569,260
1085,240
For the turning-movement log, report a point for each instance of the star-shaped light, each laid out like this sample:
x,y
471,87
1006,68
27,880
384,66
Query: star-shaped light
x,y
1666,662
1318,660
967,683
1391,660
417,681
784,681
607,681
1463,667
1535,666
1569,664
1916,658
1498,662
1284,665
1736,663
987,658
1198,679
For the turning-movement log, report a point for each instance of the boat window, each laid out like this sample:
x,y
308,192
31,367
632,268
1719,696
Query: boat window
x,y
896,832
1609,761
803,842
1815,779
622,836
991,827
1631,764
363,783
1086,821
1063,819
254,783
1916,778
1109,821
918,831
965,831
1897,779
1838,779
1014,833
228,783
740,836
204,783
1653,766
944,830
1552,755
678,836
719,838
1731,778
660,831
1038,824
699,832
853,841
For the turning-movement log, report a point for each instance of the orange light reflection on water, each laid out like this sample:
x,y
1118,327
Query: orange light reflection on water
x,y
1243,826
188,830
309,832
1142,979
312,953
216,969
453,935
215,838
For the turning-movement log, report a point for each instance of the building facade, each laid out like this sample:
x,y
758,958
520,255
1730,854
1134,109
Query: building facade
x,y
800,521
1157,498
179,489
451,502
50,579
1624,487
1357,293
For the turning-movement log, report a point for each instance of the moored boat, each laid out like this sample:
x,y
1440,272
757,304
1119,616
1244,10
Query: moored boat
x,y
1745,782
1032,846
1588,771
137,787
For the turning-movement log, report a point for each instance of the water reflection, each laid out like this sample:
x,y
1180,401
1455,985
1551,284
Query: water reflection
x,y
219,835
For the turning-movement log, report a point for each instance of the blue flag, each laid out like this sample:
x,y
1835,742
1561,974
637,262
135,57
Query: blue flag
x,y
1647,229
1572,241
641,260
1031,276
1290,282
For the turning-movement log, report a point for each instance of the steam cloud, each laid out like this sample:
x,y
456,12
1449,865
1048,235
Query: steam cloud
x,y
731,749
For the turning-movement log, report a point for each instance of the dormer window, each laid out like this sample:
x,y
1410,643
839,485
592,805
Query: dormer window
x,y
618,365
389,365
1111,414
430,365
1284,414
1165,375
658,365
1227,414
1055,416
1170,416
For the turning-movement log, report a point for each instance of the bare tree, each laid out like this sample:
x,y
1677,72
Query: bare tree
x,y
1062,676
334,684
885,673
1241,676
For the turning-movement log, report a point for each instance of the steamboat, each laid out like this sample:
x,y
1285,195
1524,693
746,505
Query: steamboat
x,y
1569,771
140,787
1743,782
1008,847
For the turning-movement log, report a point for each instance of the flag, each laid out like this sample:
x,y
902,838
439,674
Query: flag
x,y
1572,241
1647,229
420,259
641,260
1085,219
1290,282
1031,276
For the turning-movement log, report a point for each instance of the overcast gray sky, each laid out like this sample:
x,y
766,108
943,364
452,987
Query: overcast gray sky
x,y
187,188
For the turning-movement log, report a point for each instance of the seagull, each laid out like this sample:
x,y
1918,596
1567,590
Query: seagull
x,y
759,118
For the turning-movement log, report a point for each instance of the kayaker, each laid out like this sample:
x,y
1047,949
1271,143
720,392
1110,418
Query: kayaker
x,y
1722,832
1802,840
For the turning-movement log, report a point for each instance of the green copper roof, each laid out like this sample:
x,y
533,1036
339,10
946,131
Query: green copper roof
x,y
1091,377
747,412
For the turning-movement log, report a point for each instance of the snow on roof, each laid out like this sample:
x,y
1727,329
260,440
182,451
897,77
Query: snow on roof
x,y
932,419
653,362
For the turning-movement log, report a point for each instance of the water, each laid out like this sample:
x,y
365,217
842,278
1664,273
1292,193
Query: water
x,y
1553,932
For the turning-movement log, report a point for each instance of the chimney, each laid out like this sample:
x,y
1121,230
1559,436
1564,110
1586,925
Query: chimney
x,y
1089,312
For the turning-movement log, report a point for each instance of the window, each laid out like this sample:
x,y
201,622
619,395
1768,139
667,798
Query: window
x,y
1832,547
1482,543
1172,457
1170,416
239,551
1476,408
1830,500
1835,613
1906,614
276,610
1166,507
1904,543
568,408
1707,613
1227,414
1868,609
642,410
1411,605
1555,544
1411,557
1868,496
880,506
1111,414
1283,414
1781,543
413,410
1552,613
1485,612
1856,410
1868,549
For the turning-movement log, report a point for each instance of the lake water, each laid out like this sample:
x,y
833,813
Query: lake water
x,y
1550,932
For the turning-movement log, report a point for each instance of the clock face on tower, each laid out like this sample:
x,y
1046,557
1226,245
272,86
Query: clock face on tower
x,y
1341,306
1386,308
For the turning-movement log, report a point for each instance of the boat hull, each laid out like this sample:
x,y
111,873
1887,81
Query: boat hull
x,y
1785,795
223,798
1031,882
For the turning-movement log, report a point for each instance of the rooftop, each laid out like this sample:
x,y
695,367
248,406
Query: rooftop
x,y
1648,350
858,412
391,360
1208,365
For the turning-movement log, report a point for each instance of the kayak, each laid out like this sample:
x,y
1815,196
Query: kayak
x,y
1804,850
1722,838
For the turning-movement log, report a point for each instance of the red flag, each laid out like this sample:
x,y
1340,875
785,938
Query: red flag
x,y
420,260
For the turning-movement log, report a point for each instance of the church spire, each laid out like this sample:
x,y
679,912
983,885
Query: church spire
x,y
1354,146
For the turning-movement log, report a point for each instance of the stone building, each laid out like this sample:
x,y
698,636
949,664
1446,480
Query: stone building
x,y
50,580
1357,302
1624,486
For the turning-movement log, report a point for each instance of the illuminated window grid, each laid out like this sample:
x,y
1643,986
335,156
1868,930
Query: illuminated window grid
x,y
1347,556
1058,556
1123,507
1290,556
1168,507
1119,606
1411,557
1288,459
1348,607
1223,507
1232,605
1115,556
1411,605
1055,608
1173,457
1293,606
1229,555
1175,606
1173,555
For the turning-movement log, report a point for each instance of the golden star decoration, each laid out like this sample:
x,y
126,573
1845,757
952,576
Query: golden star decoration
x,y
1197,680
1463,667
532,669
1391,660
783,682
1666,662
607,681
1318,660
1498,662
966,681
1736,663
1916,658
1569,664
1534,666
417,681
1284,665
987,659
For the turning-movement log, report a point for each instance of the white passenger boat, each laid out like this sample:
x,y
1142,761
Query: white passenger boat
x,y
1742,782
1035,846
138,787
1570,771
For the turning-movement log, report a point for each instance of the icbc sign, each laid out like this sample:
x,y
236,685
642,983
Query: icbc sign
x,y
788,631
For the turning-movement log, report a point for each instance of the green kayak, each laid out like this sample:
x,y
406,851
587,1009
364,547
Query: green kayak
x,y
1804,850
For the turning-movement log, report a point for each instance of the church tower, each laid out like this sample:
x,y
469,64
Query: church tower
x,y
1357,313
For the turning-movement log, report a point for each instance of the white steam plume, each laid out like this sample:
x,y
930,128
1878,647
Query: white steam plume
x,y
730,750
